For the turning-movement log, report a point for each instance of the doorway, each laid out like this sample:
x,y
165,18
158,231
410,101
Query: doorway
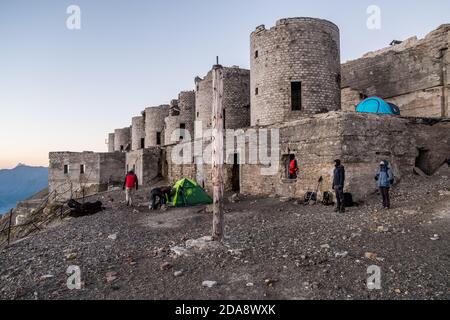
x,y
235,174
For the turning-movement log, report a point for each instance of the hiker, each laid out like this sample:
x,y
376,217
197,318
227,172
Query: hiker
x,y
131,182
293,167
338,185
385,179
159,196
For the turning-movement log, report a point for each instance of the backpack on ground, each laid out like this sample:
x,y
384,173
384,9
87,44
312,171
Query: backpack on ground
x,y
348,200
327,199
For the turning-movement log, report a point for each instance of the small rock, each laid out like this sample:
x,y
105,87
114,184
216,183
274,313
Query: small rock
x,y
178,273
111,276
165,266
249,284
285,199
270,282
164,208
341,254
325,246
71,256
112,236
382,229
135,211
234,198
398,291
435,237
370,255
209,284
179,251
47,276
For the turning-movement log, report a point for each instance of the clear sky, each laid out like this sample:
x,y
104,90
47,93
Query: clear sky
x,y
64,90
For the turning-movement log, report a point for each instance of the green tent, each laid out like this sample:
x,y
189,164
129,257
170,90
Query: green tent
x,y
188,193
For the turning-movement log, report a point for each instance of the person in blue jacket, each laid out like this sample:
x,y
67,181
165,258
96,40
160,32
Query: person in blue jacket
x,y
385,179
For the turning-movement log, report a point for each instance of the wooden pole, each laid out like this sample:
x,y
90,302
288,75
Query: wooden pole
x,y
10,225
217,153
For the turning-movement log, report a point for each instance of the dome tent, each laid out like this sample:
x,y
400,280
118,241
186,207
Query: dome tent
x,y
377,105
188,193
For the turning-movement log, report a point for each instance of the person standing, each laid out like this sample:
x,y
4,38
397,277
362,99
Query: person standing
x,y
385,179
338,185
130,183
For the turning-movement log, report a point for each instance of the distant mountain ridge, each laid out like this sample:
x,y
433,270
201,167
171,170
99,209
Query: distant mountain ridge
x,y
20,183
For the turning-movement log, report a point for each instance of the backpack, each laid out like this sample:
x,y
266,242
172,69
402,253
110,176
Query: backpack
x,y
327,199
348,200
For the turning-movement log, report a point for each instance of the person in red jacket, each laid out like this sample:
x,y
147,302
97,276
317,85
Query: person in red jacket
x,y
131,182
293,167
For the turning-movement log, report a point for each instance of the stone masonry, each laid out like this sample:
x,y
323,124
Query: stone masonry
x,y
236,98
301,50
137,133
74,174
122,139
154,125
414,75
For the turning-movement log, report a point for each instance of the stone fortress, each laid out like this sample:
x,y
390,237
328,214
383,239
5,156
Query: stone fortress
x,y
296,85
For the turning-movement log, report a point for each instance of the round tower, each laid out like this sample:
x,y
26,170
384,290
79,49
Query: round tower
x,y
137,133
122,139
111,142
236,98
154,125
181,118
295,70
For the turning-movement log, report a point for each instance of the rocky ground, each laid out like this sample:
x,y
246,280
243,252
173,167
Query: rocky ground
x,y
275,248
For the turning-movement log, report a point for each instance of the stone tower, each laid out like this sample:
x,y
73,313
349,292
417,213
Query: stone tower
x,y
111,142
122,139
181,116
154,125
295,70
236,98
137,133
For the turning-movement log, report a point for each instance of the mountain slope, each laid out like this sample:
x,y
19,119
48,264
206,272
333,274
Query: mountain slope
x,y
20,183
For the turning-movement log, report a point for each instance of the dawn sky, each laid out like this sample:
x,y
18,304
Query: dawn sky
x,y
64,90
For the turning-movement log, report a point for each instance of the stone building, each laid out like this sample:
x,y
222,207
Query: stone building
x,y
111,142
295,70
122,139
146,164
236,98
78,174
414,75
179,125
137,133
154,125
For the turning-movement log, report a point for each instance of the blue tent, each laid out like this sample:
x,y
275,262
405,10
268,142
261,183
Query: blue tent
x,y
377,105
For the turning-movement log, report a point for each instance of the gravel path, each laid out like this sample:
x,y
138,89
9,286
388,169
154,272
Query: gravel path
x,y
275,249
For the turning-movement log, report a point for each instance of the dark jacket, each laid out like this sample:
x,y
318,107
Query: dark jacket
x,y
339,176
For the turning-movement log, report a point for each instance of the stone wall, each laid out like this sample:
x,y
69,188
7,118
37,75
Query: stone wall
x,y
100,171
181,113
146,164
137,133
154,124
122,139
361,141
414,75
301,50
236,98
111,142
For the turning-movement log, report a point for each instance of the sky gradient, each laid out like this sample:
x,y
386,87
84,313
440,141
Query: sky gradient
x,y
64,90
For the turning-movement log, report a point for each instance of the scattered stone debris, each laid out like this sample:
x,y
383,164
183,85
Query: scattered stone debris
x,y
112,237
341,254
178,273
234,198
209,284
71,256
435,237
179,251
370,255
111,276
165,266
